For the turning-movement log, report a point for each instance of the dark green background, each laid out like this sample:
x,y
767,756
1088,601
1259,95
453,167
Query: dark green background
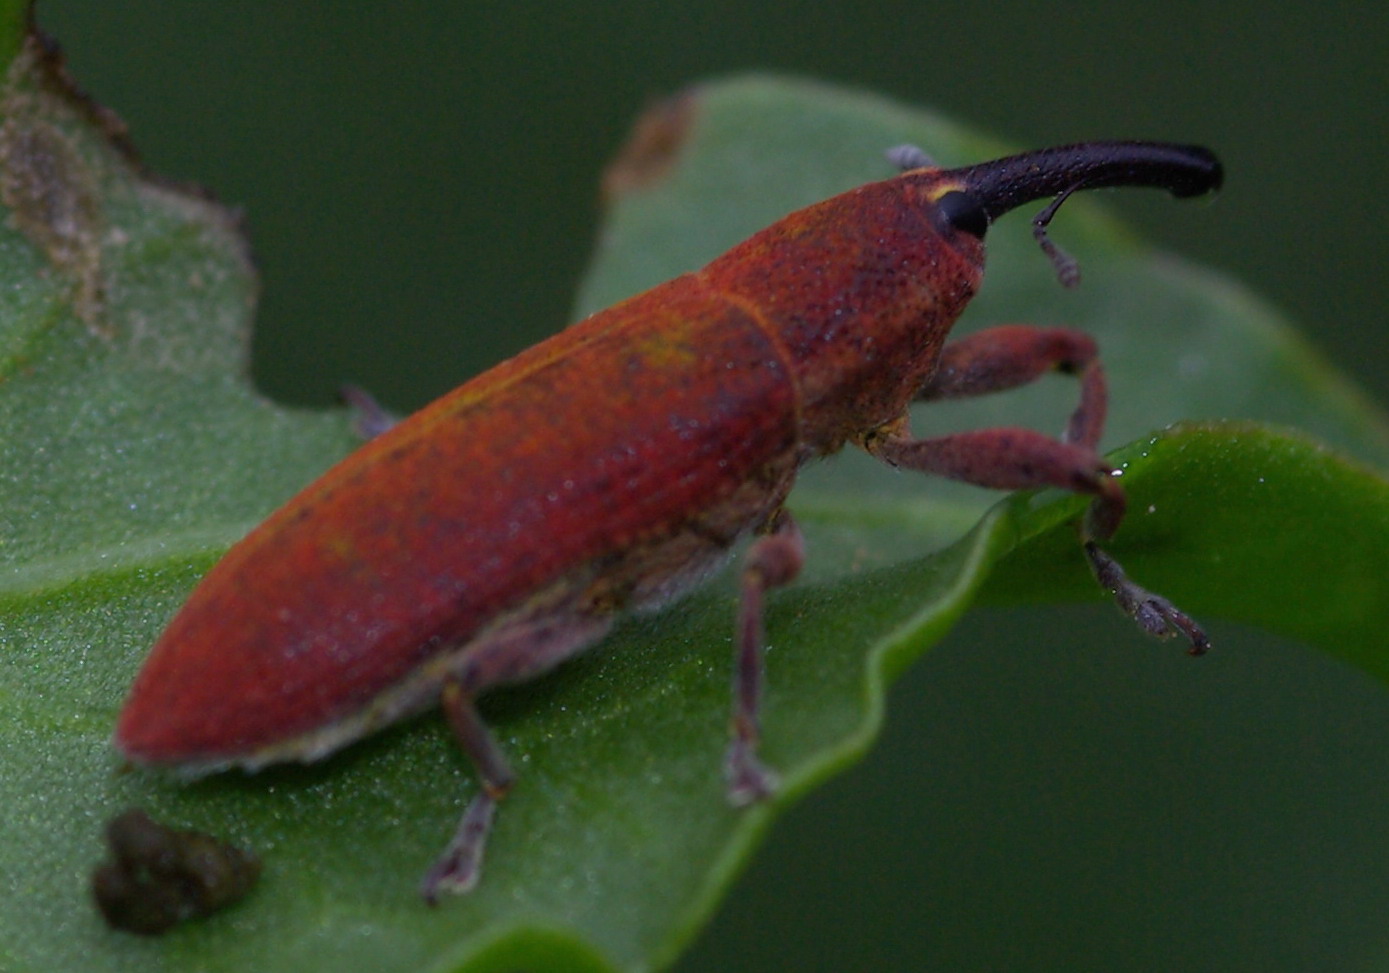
x,y
420,179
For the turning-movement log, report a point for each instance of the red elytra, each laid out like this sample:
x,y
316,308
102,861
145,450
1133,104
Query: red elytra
x,y
499,530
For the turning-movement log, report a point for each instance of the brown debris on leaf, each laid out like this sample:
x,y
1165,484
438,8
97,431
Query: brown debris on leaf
x,y
159,876
51,190
652,147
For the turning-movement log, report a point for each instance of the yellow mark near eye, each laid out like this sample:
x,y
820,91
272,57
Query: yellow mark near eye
x,y
935,191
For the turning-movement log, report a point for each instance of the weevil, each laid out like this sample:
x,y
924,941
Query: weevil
x,y
500,530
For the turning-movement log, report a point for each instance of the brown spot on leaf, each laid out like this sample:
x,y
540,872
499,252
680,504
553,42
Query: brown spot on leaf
x,y
51,190
54,204
651,147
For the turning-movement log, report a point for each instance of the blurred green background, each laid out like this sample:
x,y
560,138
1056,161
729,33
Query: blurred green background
x,y
420,184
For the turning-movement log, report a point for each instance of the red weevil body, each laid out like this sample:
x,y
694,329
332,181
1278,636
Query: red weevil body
x,y
500,529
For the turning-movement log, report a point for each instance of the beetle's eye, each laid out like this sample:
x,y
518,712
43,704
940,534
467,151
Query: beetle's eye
x,y
961,211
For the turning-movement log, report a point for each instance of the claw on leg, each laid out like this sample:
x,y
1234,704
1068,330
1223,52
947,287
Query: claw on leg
x,y
749,779
458,868
1153,613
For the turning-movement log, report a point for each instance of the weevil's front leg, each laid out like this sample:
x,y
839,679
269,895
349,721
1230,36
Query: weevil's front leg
x,y
1015,459
773,560
1011,355
1154,613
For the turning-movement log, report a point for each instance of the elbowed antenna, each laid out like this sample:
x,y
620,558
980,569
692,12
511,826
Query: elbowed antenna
x,y
1004,184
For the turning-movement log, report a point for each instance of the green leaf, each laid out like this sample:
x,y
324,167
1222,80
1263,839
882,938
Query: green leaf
x,y
134,453
1241,521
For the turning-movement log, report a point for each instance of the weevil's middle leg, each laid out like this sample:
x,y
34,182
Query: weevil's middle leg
x,y
1014,459
773,560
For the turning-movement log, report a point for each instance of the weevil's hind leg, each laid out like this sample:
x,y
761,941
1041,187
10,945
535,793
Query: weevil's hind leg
x,y
370,419
773,560
458,868
1015,459
513,655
